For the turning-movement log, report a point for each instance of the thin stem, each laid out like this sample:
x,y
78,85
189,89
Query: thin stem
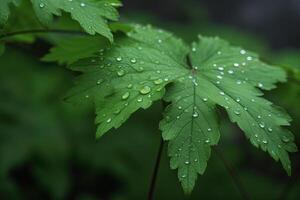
x,y
155,171
233,174
32,31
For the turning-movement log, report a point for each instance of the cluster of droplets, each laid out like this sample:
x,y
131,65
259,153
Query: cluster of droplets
x,y
234,68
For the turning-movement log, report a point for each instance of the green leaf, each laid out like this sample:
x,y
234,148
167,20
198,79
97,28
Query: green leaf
x,y
4,9
71,50
135,71
92,15
129,75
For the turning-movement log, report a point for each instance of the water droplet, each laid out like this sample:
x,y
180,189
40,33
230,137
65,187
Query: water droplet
x,y
265,141
117,112
285,139
196,160
194,49
262,125
260,85
166,79
249,58
140,69
183,176
108,120
99,82
159,41
129,86
237,112
209,129
256,135
140,99
195,114
205,99
207,141
236,64
238,82
82,4
42,5
238,99
222,93
270,129
125,95
145,90
186,162
87,96
158,71
259,117
119,59
243,52
230,72
178,117
133,60
121,72
221,68
179,107
219,77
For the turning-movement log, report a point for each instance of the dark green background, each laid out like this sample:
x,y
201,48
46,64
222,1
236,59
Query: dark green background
x,y
48,148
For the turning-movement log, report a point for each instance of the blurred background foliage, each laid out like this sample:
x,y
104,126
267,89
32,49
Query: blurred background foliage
x,y
48,148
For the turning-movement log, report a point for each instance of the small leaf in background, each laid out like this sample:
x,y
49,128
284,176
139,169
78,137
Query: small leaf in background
x,y
71,50
91,15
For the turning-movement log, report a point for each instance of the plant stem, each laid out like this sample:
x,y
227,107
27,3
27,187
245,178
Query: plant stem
x,y
155,171
233,174
32,31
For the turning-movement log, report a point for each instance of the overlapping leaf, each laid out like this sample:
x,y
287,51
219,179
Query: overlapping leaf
x,y
71,50
92,15
134,72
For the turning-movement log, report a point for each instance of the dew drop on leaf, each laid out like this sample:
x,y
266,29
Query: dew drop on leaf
x,y
121,72
158,81
285,139
125,95
133,60
129,86
140,99
145,90
195,114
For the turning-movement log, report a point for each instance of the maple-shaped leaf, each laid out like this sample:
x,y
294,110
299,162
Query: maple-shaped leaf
x,y
136,69
92,15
